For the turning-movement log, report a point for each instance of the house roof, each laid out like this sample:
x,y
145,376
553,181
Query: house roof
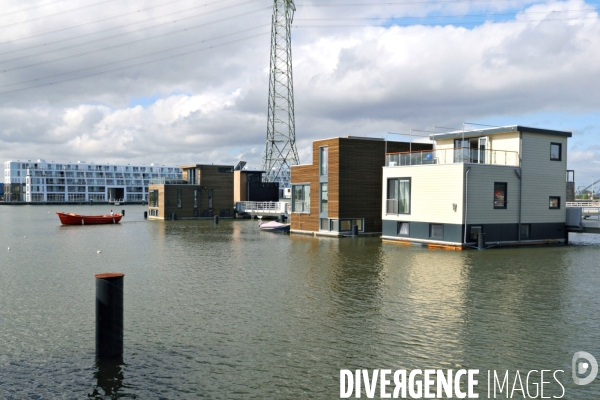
x,y
498,130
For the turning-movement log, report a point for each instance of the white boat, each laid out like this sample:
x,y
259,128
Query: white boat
x,y
274,226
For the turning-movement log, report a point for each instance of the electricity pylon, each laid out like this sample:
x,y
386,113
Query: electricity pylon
x,y
280,150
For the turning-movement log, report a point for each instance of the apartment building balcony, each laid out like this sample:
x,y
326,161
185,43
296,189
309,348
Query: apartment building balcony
x,y
453,156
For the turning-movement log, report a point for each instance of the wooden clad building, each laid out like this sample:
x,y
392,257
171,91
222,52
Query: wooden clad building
x,y
342,187
205,191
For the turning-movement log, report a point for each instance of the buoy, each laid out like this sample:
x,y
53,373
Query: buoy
x,y
98,251
9,248
25,236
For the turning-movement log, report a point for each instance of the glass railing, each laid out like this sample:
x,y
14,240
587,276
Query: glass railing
x,y
453,156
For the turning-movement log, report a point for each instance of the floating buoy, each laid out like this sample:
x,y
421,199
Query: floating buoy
x,y
25,236
98,251
9,248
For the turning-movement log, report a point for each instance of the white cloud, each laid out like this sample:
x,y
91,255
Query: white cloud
x,y
210,106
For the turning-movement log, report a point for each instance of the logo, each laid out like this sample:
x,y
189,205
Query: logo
x,y
580,368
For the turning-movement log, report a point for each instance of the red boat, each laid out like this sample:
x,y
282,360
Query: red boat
x,y
76,219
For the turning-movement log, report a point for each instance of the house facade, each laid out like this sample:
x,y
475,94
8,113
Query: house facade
x,y
204,192
508,184
342,186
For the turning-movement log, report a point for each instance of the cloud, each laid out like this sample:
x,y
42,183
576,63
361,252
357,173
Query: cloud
x,y
210,105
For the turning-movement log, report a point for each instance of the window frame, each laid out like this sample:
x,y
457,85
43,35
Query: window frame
x,y
431,229
323,201
504,206
304,200
528,231
399,228
559,151
550,198
323,160
388,198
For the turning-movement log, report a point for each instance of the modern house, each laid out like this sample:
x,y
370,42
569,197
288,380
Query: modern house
x,y
342,186
205,191
248,185
42,181
507,183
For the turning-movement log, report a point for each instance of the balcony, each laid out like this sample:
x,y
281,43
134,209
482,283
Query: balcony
x,y
453,156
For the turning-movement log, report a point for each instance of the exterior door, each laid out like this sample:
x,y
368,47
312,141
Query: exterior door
x,y
483,153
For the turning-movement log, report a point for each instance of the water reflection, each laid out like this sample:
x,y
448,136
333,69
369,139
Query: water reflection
x,y
109,378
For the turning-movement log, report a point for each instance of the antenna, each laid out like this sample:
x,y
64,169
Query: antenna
x,y
280,149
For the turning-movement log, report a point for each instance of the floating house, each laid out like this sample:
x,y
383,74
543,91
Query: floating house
x,y
50,181
203,192
507,183
342,187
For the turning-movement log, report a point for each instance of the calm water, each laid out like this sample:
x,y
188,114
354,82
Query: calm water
x,y
231,312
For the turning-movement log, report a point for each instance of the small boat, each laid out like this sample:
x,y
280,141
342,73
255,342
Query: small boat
x,y
274,226
76,219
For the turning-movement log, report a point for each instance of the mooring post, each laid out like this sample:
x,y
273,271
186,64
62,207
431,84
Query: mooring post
x,y
354,230
109,315
172,216
145,214
216,220
123,212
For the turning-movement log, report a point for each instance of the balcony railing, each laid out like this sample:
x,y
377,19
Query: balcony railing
x,y
453,156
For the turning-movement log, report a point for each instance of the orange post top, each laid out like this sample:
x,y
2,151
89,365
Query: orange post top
x,y
108,275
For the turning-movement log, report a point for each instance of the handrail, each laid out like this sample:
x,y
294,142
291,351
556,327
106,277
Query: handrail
x,y
452,156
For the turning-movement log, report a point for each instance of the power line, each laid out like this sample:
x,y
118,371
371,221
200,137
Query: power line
x,y
134,58
116,16
398,3
31,8
56,14
449,23
122,44
110,37
447,16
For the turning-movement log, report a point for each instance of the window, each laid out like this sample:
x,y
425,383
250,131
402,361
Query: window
x,y
436,231
301,198
475,231
347,224
323,160
525,229
403,228
324,198
324,224
398,196
500,195
195,198
554,202
555,151
153,198
334,225
179,198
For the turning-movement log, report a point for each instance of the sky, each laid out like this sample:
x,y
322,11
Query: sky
x,y
176,82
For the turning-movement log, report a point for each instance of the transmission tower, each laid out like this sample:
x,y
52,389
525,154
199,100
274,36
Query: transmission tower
x,y
280,150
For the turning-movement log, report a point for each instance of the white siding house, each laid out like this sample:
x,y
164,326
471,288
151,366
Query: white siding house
x,y
508,183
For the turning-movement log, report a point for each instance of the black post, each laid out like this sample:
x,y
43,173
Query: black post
x,y
109,315
354,230
145,214
216,220
172,216
123,212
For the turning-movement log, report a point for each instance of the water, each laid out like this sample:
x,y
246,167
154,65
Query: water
x,y
227,311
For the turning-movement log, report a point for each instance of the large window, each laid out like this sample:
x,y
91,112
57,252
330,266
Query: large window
x,y
323,155
554,202
324,198
555,151
500,195
398,196
301,198
153,198
179,198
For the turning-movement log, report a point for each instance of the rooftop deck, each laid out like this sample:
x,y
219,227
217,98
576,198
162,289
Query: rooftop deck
x,y
453,156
